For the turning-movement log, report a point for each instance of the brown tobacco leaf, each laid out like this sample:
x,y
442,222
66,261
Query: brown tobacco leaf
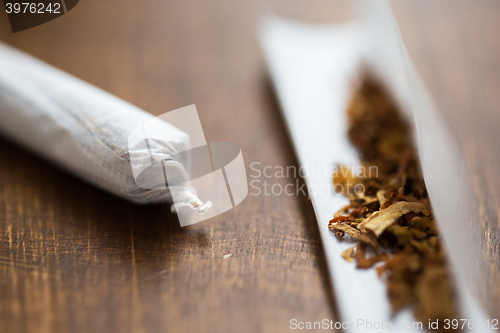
x,y
360,252
345,228
394,211
380,220
344,178
369,238
432,291
403,234
339,219
369,262
349,254
363,262
399,273
381,197
392,198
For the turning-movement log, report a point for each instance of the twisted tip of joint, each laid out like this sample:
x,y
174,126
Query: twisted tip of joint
x,y
197,205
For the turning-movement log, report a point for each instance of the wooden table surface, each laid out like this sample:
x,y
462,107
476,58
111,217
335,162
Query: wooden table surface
x,y
76,259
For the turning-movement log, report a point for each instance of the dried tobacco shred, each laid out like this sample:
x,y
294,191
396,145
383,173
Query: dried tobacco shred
x,y
393,212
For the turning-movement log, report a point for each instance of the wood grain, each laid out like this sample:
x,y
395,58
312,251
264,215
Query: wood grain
x,y
75,259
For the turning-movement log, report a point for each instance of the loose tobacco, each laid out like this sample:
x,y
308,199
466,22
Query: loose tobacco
x,y
393,211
